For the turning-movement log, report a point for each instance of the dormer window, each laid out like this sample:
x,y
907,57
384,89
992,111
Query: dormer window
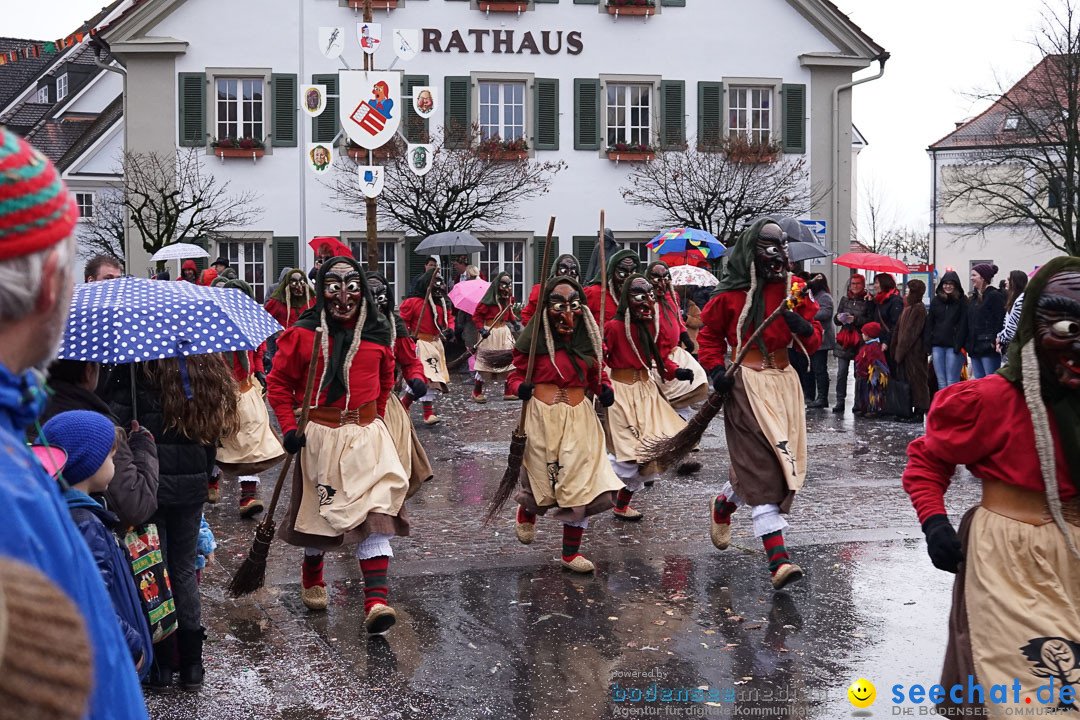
x,y
61,87
1012,122
42,95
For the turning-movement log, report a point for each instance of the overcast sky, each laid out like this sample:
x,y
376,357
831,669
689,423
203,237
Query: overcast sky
x,y
941,50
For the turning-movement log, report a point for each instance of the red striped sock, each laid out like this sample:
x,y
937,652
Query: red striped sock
x,y
376,589
524,516
311,571
407,400
478,388
622,500
571,541
774,548
428,410
722,509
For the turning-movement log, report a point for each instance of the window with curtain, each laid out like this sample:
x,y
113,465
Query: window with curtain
x,y
239,108
629,114
750,113
248,258
508,255
501,110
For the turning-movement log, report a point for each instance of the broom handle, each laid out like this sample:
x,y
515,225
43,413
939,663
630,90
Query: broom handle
x,y
603,290
300,427
757,333
536,326
493,324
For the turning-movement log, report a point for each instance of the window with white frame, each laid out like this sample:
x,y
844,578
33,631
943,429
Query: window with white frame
x,y
502,110
248,258
750,113
42,95
505,255
629,114
387,260
61,87
85,201
239,107
640,247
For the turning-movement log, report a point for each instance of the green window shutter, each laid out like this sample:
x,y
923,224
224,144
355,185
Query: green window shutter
x,y
794,114
414,262
586,114
201,263
545,1
457,127
539,272
416,127
586,2
546,102
286,252
192,109
284,93
710,104
673,3
672,114
583,250
325,127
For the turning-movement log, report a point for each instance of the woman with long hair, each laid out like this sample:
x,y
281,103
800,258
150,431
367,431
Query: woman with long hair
x,y
889,307
909,346
986,318
1015,287
188,405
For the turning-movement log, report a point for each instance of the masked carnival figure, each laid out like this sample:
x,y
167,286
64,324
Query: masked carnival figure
x,y
431,324
564,265
495,349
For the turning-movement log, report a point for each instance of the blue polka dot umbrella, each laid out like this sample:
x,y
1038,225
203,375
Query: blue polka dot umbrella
x,y
131,320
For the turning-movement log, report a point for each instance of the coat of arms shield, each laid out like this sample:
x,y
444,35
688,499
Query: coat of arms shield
x,y
419,158
331,41
369,106
406,43
313,99
371,179
369,35
425,100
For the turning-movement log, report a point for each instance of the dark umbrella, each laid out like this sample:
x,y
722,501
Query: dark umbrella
x,y
449,243
800,251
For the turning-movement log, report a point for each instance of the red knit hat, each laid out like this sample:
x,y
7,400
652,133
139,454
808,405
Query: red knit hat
x,y
871,330
36,209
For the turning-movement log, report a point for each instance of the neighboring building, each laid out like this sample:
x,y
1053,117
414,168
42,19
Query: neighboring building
x,y
565,75
957,241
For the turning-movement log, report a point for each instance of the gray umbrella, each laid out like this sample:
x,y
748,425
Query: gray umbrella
x,y
796,231
800,251
449,243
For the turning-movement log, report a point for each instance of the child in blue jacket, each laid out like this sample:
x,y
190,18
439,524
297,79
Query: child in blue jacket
x,y
89,438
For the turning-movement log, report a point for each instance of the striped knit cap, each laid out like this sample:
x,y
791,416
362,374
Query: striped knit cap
x,y
36,209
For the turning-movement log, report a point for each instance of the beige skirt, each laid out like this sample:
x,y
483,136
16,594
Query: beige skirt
x,y
410,452
348,472
565,460
682,393
500,339
639,413
433,358
1016,612
254,447
776,398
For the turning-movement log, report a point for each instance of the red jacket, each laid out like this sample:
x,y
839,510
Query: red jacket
x,y
371,376
592,298
255,363
487,313
620,354
869,354
284,315
544,372
410,313
721,315
406,359
530,307
671,323
985,425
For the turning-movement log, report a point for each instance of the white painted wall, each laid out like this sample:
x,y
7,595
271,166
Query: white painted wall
x,y
103,89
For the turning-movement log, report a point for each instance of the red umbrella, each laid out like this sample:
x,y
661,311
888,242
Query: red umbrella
x,y
681,258
339,248
871,261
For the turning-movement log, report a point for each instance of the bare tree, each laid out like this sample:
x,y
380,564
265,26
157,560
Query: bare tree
x,y
103,233
173,198
907,242
1026,171
877,216
476,187
722,188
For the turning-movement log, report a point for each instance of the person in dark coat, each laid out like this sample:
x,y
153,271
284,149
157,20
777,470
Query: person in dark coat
x,y
854,310
986,317
818,390
946,329
132,493
910,350
89,439
611,246
188,425
887,314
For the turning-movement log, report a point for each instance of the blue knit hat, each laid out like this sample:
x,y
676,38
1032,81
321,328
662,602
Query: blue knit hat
x,y
87,437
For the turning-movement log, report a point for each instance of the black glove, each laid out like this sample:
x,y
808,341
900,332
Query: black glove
x,y
261,377
525,390
686,342
798,324
720,381
942,543
607,396
484,332
448,335
684,374
457,334
292,443
418,388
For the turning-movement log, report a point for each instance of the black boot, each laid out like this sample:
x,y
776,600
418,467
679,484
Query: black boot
x,y
191,667
839,407
164,665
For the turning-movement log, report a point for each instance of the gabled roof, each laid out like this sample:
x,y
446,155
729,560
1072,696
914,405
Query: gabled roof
x,y
989,128
55,137
108,117
14,77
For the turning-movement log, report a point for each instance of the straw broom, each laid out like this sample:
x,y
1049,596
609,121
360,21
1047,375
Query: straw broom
x,y
667,451
456,362
517,440
252,572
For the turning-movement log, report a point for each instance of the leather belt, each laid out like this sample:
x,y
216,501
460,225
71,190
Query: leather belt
x,y
333,417
499,324
629,376
1028,506
246,384
428,338
755,360
550,394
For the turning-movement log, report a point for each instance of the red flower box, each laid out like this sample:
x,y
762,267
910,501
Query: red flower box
x,y
502,6
504,154
375,4
235,152
630,155
631,9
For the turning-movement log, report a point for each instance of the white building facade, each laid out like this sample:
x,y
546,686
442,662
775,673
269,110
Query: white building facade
x,y
569,76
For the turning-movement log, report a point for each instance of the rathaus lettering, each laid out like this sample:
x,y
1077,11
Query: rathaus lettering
x,y
503,41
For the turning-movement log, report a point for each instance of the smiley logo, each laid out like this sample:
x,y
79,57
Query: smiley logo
x,y
862,693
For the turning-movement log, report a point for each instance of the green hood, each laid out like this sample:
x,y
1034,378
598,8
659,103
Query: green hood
x,y
739,273
281,292
565,256
491,296
579,346
615,260
646,333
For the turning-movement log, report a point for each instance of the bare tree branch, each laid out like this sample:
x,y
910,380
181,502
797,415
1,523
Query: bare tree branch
x,y
103,234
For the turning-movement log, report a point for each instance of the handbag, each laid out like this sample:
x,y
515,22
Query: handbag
x,y
151,580
898,398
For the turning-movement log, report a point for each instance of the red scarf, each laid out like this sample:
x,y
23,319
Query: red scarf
x,y
883,296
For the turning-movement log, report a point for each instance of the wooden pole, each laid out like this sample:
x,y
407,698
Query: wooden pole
x,y
370,203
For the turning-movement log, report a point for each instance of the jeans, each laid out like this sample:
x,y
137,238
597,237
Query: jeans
x,y
178,527
947,366
842,368
819,370
985,365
